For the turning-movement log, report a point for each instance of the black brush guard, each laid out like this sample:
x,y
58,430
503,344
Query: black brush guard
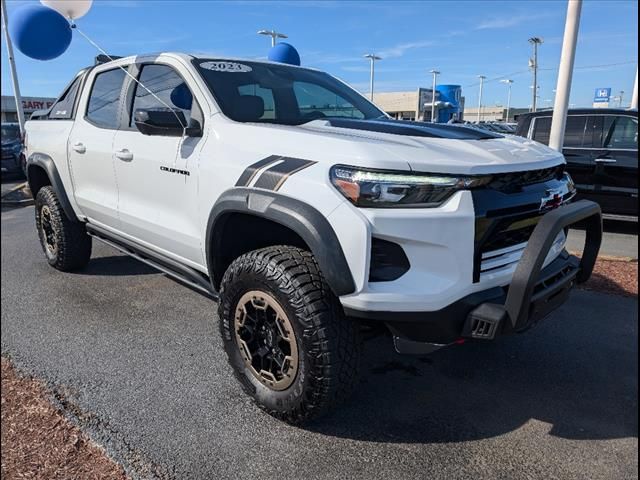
x,y
535,292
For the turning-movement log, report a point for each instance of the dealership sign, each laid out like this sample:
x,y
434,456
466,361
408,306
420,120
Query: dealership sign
x,y
31,105
601,97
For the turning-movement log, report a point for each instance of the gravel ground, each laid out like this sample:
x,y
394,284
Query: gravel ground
x,y
618,277
39,443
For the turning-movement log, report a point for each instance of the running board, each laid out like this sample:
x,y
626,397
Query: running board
x,y
168,266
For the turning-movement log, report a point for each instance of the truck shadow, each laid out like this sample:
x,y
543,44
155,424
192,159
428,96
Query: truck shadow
x,y
576,372
116,265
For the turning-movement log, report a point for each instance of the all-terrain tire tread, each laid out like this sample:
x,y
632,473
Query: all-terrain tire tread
x,y
73,243
332,341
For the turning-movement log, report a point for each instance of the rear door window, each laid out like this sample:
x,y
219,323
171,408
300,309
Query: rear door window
x,y
578,131
103,108
63,108
575,132
541,129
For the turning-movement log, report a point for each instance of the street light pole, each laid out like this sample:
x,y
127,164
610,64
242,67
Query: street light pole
x,y
435,74
12,67
481,77
565,73
535,41
508,82
620,98
634,95
372,58
273,34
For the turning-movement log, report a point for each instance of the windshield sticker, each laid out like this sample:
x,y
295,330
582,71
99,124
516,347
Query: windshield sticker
x,y
229,67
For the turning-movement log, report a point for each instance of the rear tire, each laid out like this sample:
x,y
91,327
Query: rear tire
x,y
283,289
65,243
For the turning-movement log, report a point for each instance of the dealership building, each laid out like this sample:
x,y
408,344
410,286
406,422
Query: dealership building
x,y
417,104
29,104
449,104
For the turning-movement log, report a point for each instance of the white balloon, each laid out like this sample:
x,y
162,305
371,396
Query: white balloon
x,y
70,9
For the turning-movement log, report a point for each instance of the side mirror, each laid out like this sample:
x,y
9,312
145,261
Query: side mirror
x,y
165,122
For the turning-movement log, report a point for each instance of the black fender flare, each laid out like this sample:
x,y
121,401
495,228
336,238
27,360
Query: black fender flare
x,y
45,162
294,214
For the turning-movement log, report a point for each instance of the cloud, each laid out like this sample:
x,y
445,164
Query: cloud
x,y
509,21
401,49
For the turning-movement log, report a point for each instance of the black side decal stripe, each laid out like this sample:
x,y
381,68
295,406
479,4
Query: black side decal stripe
x,y
274,177
251,170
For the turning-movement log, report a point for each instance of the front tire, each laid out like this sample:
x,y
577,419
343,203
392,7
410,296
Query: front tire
x,y
285,334
65,243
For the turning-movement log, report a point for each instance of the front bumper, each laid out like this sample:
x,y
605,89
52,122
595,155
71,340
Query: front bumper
x,y
533,293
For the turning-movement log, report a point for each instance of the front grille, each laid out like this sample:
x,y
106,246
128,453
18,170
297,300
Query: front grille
x,y
493,261
514,181
507,212
508,238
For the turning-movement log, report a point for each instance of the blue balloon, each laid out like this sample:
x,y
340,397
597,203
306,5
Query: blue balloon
x,y
284,53
40,32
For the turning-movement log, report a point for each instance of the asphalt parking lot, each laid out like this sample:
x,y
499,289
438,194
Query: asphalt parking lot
x,y
135,359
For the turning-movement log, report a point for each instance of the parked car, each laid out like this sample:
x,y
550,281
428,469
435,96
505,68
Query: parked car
x,y
601,149
13,159
302,208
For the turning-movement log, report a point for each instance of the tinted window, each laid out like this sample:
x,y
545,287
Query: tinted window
x,y
10,133
299,95
164,89
105,96
267,97
575,131
621,132
541,129
316,101
63,108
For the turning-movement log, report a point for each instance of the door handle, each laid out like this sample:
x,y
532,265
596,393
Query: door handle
x,y
124,154
79,147
606,160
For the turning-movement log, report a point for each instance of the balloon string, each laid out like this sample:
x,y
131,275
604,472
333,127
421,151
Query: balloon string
x,y
126,71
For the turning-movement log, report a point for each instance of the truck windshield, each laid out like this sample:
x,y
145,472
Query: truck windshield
x,y
271,93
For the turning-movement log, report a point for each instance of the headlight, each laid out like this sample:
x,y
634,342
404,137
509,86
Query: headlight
x,y
385,189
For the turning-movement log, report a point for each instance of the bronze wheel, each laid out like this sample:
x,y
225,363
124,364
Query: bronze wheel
x,y
266,340
48,231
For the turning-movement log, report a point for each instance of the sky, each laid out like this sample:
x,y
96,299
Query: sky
x,y
461,39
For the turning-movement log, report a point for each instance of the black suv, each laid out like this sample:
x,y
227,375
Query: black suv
x,y
601,148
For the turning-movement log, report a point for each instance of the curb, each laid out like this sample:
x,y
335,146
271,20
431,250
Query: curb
x,y
16,188
18,203
610,258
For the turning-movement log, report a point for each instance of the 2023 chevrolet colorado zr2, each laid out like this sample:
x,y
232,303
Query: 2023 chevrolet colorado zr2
x,y
304,209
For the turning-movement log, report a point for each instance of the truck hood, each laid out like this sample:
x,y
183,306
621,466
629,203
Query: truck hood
x,y
394,145
444,148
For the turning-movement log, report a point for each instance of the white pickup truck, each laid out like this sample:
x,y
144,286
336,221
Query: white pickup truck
x,y
304,210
